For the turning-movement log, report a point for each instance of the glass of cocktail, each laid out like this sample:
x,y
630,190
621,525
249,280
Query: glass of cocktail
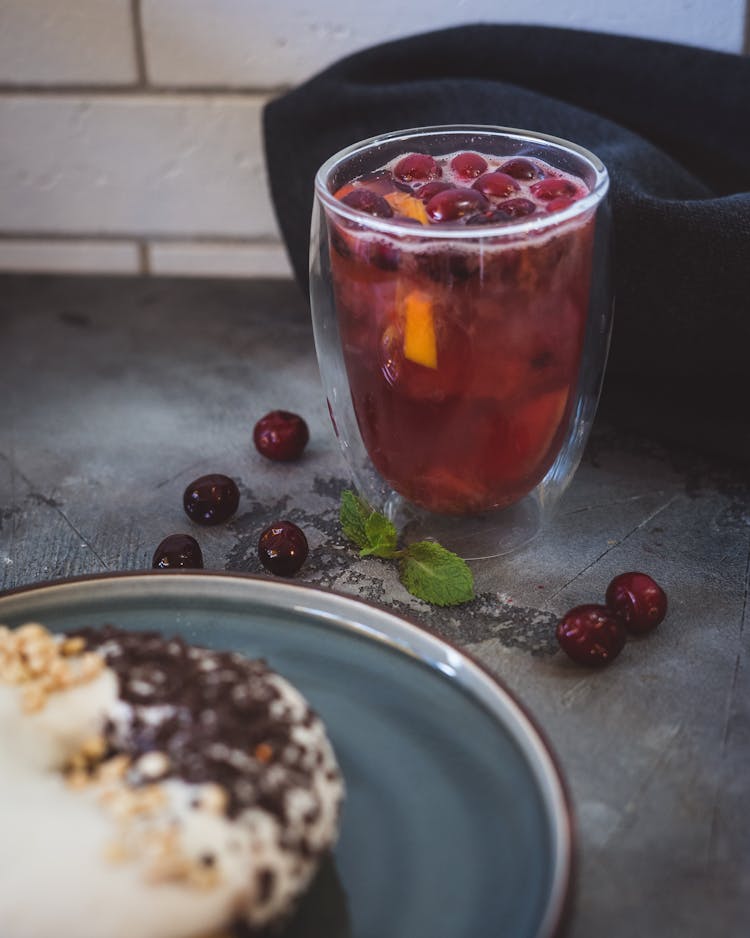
x,y
462,306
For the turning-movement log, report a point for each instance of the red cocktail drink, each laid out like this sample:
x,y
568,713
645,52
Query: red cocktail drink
x,y
461,300
462,356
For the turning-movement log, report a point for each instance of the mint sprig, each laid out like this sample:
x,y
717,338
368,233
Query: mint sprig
x,y
353,515
427,570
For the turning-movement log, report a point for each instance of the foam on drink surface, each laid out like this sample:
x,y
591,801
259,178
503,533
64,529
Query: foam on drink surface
x,y
495,235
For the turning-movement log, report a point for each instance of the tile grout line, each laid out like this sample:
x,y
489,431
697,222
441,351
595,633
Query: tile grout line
x,y
135,237
144,258
138,89
139,46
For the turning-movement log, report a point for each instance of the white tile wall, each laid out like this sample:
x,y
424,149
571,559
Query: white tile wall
x,y
218,260
66,41
139,120
257,43
38,255
133,164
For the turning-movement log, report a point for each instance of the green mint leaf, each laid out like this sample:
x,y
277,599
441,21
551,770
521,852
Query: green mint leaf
x,y
381,537
434,574
372,532
353,515
427,570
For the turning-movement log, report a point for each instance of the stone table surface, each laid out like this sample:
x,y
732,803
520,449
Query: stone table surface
x,y
115,393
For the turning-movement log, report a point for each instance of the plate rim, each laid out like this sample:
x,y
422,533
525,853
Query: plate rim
x,y
527,732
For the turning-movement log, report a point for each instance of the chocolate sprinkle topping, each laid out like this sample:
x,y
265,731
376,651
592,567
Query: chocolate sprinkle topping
x,y
209,712
265,884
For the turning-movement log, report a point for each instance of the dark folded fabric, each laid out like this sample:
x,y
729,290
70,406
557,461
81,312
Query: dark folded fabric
x,y
671,123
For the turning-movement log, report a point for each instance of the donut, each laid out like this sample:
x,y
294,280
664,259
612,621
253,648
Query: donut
x,y
154,788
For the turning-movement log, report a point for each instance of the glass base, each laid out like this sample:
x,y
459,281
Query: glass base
x,y
472,537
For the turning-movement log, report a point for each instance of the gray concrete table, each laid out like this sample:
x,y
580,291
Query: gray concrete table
x,y
115,393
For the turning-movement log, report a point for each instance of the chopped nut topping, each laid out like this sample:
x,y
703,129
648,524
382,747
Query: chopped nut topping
x,y
33,657
125,803
30,631
153,764
263,752
77,779
116,852
72,646
86,764
213,798
94,748
148,834
113,769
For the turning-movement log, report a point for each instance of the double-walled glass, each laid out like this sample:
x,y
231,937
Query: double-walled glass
x,y
473,441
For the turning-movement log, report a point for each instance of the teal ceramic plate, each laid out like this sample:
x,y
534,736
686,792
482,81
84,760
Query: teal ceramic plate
x,y
456,823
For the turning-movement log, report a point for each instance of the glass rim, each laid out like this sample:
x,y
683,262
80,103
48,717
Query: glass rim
x,y
508,229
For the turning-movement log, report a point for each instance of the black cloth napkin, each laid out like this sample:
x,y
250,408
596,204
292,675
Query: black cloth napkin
x,y
671,123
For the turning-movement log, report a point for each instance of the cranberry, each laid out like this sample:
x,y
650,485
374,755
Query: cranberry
x,y
417,167
638,600
469,165
558,204
380,254
178,551
496,184
339,243
517,208
382,182
282,548
281,436
426,192
453,204
370,202
519,168
591,634
447,266
495,217
548,189
211,499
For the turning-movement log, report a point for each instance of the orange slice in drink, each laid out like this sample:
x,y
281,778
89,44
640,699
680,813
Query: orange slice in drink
x,y
404,204
420,341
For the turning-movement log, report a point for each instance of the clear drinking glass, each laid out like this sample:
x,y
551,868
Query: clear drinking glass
x,y
462,361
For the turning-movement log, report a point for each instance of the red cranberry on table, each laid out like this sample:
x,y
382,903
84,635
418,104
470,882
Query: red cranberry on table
x,y
520,168
211,499
591,634
468,165
417,167
499,185
281,436
638,600
178,551
364,200
282,548
453,204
